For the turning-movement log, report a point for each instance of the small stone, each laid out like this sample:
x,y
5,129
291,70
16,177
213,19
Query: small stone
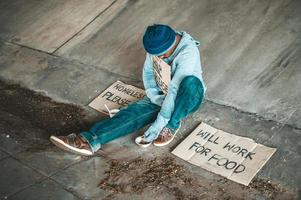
x,y
7,136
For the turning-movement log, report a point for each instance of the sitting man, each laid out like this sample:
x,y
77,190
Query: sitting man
x,y
165,111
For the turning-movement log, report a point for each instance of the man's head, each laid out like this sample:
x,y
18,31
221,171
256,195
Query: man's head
x,y
159,39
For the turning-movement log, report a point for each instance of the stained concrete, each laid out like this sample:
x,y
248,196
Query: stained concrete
x,y
250,49
3,155
10,181
77,177
47,159
12,131
48,189
46,25
250,53
60,78
84,178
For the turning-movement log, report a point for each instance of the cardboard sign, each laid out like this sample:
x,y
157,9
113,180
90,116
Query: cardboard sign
x,y
162,72
234,157
117,95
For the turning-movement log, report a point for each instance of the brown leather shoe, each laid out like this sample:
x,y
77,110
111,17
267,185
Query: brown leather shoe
x,y
72,143
165,137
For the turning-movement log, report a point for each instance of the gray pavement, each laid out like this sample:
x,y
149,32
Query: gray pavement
x,y
72,51
39,170
253,47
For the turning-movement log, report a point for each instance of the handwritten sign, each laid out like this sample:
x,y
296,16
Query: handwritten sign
x,y
162,72
117,95
234,157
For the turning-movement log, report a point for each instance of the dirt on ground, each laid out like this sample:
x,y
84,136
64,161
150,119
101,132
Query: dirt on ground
x,y
164,175
41,111
23,109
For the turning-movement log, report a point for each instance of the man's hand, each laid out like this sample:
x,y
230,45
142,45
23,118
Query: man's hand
x,y
154,130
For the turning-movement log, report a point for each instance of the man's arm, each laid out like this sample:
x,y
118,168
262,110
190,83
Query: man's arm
x,y
151,89
186,62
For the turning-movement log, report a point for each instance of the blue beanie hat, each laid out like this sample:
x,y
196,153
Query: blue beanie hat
x,y
158,39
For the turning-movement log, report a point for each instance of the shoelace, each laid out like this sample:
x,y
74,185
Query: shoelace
x,y
76,143
165,132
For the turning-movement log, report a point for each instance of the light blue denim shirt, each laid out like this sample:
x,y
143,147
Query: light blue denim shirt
x,y
184,61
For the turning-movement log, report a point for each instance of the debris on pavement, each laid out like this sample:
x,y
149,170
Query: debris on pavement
x,y
163,174
42,112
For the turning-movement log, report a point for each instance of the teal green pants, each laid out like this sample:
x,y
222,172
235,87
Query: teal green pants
x,y
190,95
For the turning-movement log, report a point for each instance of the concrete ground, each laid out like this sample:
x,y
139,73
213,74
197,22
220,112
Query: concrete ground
x,y
72,50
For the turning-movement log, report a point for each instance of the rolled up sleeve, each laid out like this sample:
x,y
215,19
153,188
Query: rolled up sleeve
x,y
185,64
151,89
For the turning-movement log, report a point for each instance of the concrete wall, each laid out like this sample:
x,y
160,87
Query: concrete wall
x,y
250,50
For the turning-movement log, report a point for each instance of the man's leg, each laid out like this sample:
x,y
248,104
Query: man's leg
x,y
189,98
127,120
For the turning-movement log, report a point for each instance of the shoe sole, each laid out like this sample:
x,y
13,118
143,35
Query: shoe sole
x,y
166,143
62,145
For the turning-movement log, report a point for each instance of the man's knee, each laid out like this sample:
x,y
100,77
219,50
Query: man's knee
x,y
192,91
191,84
